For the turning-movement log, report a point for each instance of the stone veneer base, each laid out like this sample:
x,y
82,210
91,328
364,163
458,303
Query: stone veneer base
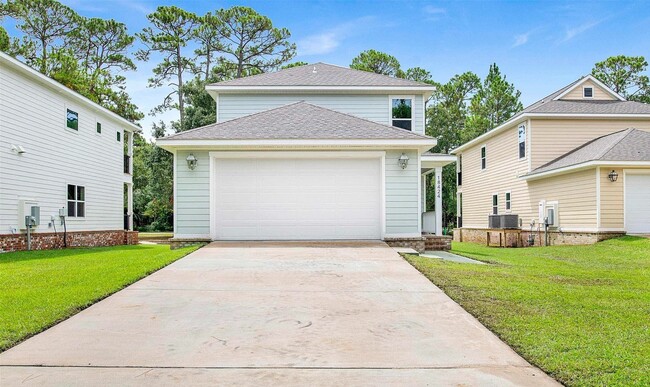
x,y
50,240
479,235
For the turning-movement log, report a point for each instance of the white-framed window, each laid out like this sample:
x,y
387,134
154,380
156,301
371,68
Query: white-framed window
x,y
76,201
401,111
72,119
483,157
495,204
508,201
521,140
588,92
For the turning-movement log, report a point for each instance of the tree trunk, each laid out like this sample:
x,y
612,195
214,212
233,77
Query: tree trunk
x,y
181,107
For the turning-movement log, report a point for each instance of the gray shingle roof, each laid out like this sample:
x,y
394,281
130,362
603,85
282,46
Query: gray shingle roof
x,y
626,145
302,121
549,105
324,75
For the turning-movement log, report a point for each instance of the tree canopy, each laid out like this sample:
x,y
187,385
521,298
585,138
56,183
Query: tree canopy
x,y
625,75
377,62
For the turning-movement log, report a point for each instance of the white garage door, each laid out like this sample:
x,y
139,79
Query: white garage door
x,y
637,203
287,199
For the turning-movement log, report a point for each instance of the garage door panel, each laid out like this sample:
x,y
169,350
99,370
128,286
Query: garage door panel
x,y
637,203
297,199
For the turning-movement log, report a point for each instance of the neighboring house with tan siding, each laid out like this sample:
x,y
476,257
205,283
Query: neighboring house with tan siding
x,y
554,159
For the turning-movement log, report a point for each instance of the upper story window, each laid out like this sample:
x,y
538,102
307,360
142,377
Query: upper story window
x,y
99,127
72,119
522,141
483,157
402,112
588,92
76,201
119,136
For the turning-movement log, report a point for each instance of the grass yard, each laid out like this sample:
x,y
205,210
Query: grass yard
x,y
581,313
40,288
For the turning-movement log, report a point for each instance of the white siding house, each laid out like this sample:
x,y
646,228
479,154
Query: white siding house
x,y
57,164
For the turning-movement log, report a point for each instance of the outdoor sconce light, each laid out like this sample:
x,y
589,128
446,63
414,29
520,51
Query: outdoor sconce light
x,y
403,161
191,161
613,176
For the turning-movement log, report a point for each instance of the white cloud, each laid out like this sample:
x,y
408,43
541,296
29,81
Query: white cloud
x,y
521,39
432,10
319,44
575,31
328,40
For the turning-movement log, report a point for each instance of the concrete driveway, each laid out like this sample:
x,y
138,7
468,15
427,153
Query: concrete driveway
x,y
350,313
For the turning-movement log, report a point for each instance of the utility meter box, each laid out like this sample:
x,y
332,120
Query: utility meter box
x,y
28,208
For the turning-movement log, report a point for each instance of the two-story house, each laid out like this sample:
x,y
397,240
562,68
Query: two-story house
x,y
315,152
575,164
64,162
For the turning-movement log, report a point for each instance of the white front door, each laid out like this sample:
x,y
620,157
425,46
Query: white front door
x,y
637,203
297,198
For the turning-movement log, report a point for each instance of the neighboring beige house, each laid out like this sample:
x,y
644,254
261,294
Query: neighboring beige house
x,y
580,157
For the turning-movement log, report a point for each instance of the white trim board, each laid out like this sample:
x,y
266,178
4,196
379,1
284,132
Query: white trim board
x,y
587,165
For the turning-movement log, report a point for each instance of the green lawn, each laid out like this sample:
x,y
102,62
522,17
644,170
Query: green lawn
x,y
581,313
40,288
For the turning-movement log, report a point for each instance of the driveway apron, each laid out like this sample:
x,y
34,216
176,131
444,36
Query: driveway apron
x,y
273,313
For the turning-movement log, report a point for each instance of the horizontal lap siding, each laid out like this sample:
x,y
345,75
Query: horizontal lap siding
x,y
192,215
402,212
575,194
501,175
33,116
599,93
193,195
553,138
371,107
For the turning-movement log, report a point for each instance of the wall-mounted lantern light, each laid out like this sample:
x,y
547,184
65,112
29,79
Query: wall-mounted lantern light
x,y
613,176
191,161
403,161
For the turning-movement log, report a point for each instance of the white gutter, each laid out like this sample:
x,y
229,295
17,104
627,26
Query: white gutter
x,y
585,165
423,145
51,83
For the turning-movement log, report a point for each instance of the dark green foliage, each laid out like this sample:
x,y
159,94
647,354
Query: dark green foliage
x,y
4,40
251,42
377,62
624,75
294,64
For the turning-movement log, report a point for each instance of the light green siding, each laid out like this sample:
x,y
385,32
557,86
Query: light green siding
x,y
192,217
402,215
374,107
193,195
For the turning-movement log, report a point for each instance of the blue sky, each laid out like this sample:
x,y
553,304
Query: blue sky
x,y
539,45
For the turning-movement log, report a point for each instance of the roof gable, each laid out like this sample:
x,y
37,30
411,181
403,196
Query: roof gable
x,y
297,121
600,91
320,75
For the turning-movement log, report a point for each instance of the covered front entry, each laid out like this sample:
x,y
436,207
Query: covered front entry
x,y
431,164
637,202
296,195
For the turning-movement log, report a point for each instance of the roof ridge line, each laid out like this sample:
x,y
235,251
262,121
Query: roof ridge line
x,y
609,148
